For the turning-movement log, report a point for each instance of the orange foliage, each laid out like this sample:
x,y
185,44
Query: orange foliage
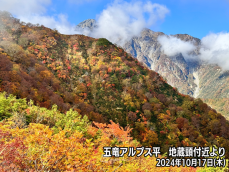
x,y
115,130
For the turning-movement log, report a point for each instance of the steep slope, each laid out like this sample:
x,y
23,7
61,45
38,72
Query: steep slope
x,y
197,82
103,82
195,78
177,70
66,138
147,49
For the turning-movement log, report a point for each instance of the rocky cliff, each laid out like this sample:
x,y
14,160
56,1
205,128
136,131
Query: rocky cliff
x,y
90,24
176,70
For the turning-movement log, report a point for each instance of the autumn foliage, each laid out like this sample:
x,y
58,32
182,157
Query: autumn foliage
x,y
64,97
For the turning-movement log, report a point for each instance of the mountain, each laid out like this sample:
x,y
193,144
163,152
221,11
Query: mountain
x,y
175,69
196,77
74,78
90,24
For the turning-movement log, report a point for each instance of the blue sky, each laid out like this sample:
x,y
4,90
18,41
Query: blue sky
x,y
194,17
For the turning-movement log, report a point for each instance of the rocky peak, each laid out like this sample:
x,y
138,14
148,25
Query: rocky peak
x,y
89,23
186,37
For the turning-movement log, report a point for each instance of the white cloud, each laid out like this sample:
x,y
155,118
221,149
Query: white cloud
x,y
24,7
61,23
215,49
123,20
33,11
172,46
120,21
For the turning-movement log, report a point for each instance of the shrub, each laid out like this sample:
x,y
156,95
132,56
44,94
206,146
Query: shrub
x,y
10,104
103,41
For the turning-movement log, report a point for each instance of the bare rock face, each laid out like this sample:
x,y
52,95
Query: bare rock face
x,y
176,70
90,24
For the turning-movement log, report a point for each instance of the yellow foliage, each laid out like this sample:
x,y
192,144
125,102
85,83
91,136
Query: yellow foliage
x,y
47,151
45,74
16,67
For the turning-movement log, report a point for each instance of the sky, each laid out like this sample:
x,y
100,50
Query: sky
x,y
119,20
194,17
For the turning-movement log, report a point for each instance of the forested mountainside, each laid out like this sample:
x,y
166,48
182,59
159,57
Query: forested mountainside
x,y
192,77
74,76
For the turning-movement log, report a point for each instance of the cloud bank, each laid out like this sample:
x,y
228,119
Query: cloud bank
x,y
173,46
214,48
123,20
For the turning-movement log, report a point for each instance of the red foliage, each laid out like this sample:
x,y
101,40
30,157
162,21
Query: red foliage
x,y
162,98
132,116
147,106
162,132
109,70
11,151
5,63
180,122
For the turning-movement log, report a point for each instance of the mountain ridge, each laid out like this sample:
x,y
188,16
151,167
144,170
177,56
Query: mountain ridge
x,y
177,70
